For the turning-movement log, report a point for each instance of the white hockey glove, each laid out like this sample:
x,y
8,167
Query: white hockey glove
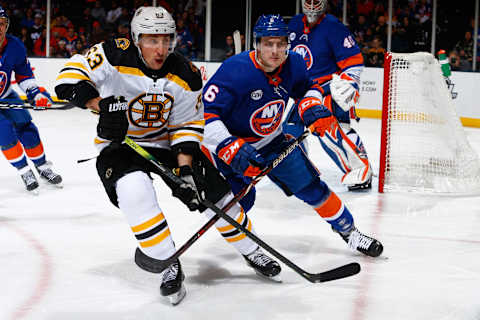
x,y
344,91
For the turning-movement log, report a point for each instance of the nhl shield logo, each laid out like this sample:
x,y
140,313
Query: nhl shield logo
x,y
3,82
267,119
305,52
257,94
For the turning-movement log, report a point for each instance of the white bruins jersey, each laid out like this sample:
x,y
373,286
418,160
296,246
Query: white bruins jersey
x,y
165,106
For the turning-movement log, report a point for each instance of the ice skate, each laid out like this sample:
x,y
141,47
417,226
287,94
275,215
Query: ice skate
x,y
29,179
172,283
263,265
362,243
46,173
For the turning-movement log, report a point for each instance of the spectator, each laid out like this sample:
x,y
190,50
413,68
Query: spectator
x,y
98,12
184,39
454,60
27,40
39,46
375,53
113,14
123,31
62,51
27,20
365,7
360,27
98,34
37,28
466,46
229,47
70,40
79,48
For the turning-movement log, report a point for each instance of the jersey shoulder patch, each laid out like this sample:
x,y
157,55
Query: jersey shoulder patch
x,y
121,52
183,68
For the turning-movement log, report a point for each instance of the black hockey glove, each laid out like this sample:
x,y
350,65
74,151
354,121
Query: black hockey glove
x,y
113,123
192,190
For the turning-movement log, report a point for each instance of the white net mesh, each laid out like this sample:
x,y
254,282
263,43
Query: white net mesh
x,y
425,145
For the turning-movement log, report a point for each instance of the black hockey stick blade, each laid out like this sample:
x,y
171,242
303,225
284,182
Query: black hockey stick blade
x,y
334,274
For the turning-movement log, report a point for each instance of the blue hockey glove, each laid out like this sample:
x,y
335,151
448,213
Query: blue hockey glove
x,y
39,97
316,116
241,156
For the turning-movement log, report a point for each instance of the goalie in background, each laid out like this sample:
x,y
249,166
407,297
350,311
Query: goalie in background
x,y
335,63
19,137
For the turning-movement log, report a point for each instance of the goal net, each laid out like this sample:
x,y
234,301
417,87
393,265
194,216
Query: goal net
x,y
423,145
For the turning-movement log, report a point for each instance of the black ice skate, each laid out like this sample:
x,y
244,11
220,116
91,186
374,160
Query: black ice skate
x,y
46,173
263,265
172,283
362,243
29,179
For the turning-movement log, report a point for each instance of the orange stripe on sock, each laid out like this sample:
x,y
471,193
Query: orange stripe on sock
x,y
330,207
14,152
35,152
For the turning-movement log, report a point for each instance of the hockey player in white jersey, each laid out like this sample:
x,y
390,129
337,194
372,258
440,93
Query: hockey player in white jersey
x,y
149,93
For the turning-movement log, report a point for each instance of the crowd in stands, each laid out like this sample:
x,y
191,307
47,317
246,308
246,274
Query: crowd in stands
x,y
78,24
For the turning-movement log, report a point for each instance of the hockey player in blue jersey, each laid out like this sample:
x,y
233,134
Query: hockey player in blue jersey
x,y
18,134
244,104
335,63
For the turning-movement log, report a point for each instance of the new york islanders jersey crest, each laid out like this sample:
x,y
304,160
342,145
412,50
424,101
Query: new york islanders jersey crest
x,y
327,48
252,106
13,58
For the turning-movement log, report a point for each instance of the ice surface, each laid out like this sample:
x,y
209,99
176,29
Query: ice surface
x,y
68,253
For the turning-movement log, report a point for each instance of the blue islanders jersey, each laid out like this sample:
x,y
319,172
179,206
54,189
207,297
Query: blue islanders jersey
x,y
13,58
327,48
242,100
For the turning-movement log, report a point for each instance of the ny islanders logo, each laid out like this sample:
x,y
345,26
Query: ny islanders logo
x,y
305,52
268,118
3,82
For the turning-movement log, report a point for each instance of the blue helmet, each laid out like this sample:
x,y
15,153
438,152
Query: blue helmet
x,y
3,14
270,25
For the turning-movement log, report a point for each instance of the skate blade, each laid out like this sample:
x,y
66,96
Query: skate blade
x,y
276,278
177,297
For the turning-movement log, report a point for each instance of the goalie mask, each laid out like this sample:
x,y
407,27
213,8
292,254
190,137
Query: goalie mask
x,y
313,9
153,20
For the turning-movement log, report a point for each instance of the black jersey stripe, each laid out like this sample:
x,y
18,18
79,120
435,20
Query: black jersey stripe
x,y
75,69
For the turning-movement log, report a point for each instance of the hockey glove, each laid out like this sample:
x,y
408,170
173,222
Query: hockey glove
x,y
316,116
39,98
113,123
192,191
241,156
344,91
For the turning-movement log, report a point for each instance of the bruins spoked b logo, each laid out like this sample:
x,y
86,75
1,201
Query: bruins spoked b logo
x,y
151,110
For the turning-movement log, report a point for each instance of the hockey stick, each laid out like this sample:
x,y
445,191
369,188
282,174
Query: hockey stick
x,y
20,104
337,273
237,43
158,265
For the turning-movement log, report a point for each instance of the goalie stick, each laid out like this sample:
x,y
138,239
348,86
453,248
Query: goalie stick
x,y
333,274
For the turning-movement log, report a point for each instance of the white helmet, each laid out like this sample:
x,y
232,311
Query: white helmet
x,y
313,9
153,20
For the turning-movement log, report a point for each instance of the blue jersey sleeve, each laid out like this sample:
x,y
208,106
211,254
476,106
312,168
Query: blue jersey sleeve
x,y
22,67
303,82
345,49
